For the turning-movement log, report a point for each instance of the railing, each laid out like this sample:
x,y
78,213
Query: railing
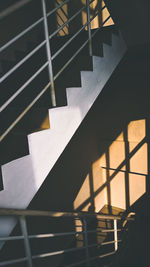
x,y
105,224
50,58
12,8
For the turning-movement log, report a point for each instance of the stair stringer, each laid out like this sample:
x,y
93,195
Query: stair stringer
x,y
23,177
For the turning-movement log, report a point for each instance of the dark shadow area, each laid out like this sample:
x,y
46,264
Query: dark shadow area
x,y
15,144
124,99
6,4
134,16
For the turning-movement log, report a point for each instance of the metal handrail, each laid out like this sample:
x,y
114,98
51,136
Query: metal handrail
x,y
83,216
23,86
57,214
72,38
16,38
50,57
66,23
40,45
13,8
58,7
22,61
25,111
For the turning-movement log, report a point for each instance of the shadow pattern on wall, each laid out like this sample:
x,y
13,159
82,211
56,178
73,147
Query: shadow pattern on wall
x,y
119,118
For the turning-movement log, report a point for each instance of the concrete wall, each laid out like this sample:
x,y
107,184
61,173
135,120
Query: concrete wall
x,y
107,161
119,168
132,17
72,7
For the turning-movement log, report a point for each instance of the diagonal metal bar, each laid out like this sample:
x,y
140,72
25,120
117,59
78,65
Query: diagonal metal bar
x,y
20,35
21,62
23,87
23,225
48,50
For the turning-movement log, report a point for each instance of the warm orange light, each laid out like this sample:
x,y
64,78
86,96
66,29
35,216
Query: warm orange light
x,y
119,175
83,195
63,15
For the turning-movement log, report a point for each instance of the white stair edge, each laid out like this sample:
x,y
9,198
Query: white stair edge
x,y
23,177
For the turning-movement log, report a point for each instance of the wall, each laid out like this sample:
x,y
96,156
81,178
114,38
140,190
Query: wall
x,y
72,7
132,17
118,123
107,160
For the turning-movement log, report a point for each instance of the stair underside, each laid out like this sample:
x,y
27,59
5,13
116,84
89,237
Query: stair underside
x,y
23,177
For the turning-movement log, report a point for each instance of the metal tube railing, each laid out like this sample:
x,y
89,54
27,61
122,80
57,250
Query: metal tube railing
x,y
60,26
48,50
21,62
20,35
50,57
89,27
67,22
57,214
6,263
26,240
24,112
13,8
54,235
60,18
86,242
45,255
73,37
23,87
31,27
76,53
62,10
102,256
56,8
115,235
83,216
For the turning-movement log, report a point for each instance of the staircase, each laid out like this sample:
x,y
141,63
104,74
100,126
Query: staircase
x,y
61,239
29,176
23,176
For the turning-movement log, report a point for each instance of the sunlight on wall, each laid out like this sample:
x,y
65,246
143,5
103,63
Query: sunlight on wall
x,y
79,237
100,18
105,14
83,195
119,175
117,190
100,200
139,161
112,159
136,130
89,191
94,7
116,154
119,158
98,181
63,15
137,187
45,123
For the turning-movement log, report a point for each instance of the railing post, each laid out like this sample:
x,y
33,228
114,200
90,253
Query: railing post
x,y
115,235
89,27
48,50
86,242
26,240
